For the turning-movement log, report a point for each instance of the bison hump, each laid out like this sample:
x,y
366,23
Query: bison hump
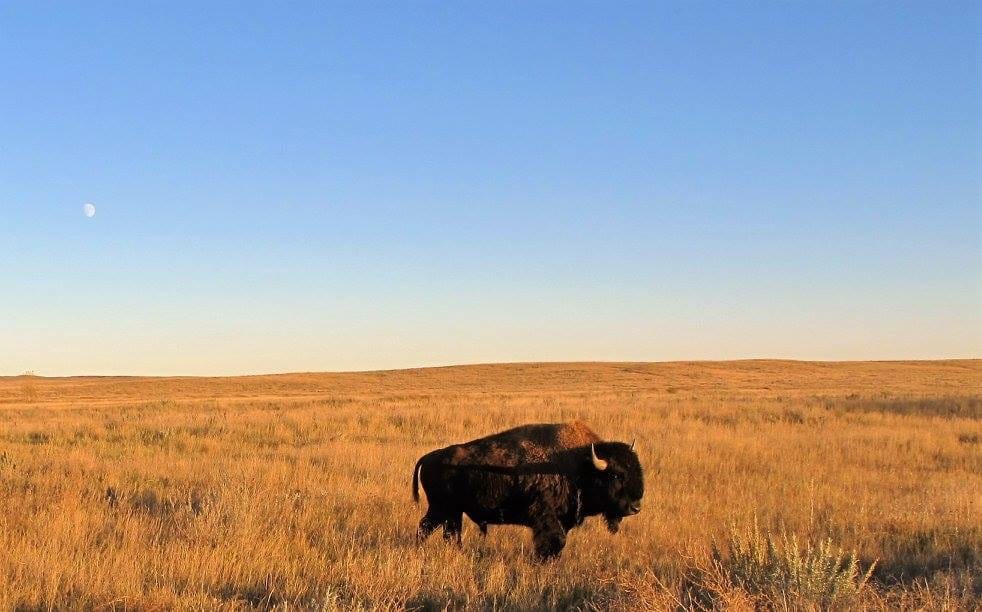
x,y
526,444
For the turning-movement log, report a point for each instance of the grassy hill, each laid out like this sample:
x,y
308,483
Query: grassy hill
x,y
293,489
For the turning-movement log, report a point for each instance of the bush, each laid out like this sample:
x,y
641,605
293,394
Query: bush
x,y
779,573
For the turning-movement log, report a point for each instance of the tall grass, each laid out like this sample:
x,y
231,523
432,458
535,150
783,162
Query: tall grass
x,y
29,387
294,491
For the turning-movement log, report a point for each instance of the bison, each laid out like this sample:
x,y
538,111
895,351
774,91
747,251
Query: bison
x,y
548,477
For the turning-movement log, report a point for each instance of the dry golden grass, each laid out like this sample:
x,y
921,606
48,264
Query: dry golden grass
x,y
293,490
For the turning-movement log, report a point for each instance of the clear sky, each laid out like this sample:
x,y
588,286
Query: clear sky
x,y
320,186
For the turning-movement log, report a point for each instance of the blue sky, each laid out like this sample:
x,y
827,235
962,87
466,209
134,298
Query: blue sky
x,y
321,186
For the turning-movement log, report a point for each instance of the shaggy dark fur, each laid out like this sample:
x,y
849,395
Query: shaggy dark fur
x,y
539,476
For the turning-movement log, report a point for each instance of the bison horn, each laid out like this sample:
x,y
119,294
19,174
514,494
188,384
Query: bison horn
x,y
598,463
632,443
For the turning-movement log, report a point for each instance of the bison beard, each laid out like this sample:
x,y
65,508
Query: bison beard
x,y
545,477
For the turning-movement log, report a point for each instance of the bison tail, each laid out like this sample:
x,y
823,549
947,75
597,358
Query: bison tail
x,y
416,479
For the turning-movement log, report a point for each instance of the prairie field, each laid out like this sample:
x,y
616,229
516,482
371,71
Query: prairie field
x,y
293,491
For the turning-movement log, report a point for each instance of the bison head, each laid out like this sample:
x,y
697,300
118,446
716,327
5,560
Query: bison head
x,y
612,481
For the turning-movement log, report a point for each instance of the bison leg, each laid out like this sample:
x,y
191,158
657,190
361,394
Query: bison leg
x,y
426,527
453,526
548,537
613,523
481,524
433,518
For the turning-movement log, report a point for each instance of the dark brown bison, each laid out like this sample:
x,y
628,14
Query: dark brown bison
x,y
546,477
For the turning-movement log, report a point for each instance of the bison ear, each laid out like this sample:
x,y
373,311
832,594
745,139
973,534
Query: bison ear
x,y
598,463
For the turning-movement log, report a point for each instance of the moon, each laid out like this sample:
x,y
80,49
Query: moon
x,y
89,209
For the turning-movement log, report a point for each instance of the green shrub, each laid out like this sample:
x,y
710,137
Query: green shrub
x,y
781,572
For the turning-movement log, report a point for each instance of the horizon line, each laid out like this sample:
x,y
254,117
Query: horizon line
x,y
30,373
